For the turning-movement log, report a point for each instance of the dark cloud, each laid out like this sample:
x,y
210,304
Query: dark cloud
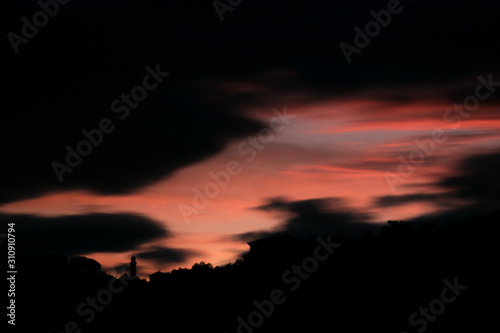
x,y
165,255
53,98
314,217
474,184
477,179
477,184
82,234
254,235
397,200
170,130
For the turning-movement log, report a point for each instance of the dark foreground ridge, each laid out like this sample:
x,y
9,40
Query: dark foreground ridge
x,y
404,279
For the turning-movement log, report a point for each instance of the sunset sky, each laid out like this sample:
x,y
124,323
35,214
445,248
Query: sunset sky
x,y
320,145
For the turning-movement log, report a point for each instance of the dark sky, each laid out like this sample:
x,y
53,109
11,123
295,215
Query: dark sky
x,y
64,78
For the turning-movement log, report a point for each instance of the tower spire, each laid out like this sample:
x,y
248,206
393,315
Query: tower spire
x,y
133,266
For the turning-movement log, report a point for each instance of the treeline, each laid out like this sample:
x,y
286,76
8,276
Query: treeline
x,y
391,281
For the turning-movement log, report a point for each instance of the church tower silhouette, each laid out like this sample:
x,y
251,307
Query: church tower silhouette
x,y
133,266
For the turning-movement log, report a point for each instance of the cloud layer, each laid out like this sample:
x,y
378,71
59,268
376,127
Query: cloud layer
x,y
163,255
313,217
82,234
472,188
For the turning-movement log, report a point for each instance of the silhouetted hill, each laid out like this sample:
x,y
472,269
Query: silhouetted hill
x,y
329,284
